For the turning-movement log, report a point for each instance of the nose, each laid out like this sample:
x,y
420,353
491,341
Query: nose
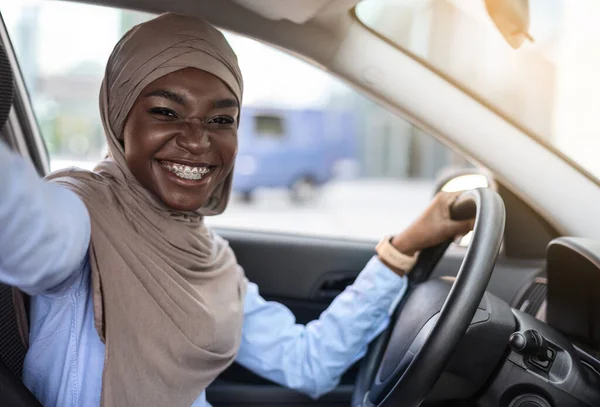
x,y
194,138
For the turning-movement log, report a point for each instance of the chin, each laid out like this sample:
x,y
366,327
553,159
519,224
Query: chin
x,y
185,204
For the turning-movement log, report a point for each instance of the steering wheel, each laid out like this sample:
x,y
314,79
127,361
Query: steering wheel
x,y
403,364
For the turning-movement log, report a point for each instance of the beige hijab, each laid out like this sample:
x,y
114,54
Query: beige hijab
x,y
168,293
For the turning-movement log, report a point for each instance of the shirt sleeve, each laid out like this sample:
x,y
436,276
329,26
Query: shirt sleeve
x,y
311,358
44,228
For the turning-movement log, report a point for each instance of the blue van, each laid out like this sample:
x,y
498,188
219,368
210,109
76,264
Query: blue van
x,y
294,149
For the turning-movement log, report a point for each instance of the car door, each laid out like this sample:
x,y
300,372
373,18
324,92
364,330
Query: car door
x,y
301,254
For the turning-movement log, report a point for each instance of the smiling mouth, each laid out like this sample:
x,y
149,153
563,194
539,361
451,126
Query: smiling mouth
x,y
187,172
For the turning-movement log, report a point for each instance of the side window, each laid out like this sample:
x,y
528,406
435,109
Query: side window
x,y
269,126
341,165
63,71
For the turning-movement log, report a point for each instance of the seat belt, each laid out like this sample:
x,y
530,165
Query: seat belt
x,y
18,298
13,392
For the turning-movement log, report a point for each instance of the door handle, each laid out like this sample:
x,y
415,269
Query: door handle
x,y
332,286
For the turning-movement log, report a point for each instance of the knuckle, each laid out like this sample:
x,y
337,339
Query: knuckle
x,y
441,197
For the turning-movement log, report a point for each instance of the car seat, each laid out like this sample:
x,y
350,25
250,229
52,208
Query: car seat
x,y
13,335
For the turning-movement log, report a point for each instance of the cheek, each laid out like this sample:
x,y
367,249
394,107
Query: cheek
x,y
229,148
134,152
140,143
130,143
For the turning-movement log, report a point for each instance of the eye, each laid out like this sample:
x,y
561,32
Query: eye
x,y
222,120
164,112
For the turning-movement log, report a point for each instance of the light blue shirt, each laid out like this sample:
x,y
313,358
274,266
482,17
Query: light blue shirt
x,y
44,236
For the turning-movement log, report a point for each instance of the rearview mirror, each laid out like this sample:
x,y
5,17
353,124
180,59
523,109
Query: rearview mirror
x,y
511,17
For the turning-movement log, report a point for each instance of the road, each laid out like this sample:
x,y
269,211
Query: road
x,y
360,209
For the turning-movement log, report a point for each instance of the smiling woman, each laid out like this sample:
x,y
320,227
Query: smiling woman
x,y
180,275
142,296
180,137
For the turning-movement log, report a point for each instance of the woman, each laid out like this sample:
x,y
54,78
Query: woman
x,y
135,302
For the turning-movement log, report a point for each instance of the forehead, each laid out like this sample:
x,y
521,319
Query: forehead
x,y
192,82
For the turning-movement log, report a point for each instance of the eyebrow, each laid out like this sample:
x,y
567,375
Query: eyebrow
x,y
225,103
217,104
167,94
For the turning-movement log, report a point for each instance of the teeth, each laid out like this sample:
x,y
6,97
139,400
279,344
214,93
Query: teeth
x,y
186,172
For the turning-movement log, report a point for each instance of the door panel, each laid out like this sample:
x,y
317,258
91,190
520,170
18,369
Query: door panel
x,y
305,274
300,269
297,267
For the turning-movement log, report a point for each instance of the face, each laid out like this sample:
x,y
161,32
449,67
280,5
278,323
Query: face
x,y
180,137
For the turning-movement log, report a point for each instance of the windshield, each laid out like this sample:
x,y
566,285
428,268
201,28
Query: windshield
x,y
550,87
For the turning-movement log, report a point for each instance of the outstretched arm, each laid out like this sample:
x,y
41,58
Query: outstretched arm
x,y
44,228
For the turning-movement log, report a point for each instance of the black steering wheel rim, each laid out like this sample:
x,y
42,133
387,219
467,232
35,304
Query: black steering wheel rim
x,y
410,386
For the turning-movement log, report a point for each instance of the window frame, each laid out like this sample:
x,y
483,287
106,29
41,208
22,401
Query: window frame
x,y
477,98
22,130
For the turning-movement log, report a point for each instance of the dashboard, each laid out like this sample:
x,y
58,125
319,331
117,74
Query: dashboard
x,y
554,354
573,299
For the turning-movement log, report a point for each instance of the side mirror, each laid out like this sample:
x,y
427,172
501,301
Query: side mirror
x,y
454,180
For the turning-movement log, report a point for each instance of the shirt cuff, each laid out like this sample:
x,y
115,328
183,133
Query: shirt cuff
x,y
381,286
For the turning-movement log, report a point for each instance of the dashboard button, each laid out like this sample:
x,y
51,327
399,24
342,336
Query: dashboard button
x,y
544,364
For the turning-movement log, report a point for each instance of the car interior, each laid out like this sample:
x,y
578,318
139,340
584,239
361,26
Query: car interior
x,y
511,320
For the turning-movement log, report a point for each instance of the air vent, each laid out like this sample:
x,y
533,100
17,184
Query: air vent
x,y
534,297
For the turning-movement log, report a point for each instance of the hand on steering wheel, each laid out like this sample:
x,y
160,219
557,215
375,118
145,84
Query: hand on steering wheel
x,y
404,363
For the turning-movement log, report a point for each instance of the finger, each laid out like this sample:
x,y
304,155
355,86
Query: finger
x,y
464,208
461,227
445,200
471,223
451,197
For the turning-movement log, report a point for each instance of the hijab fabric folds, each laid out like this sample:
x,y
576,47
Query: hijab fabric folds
x,y
167,292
